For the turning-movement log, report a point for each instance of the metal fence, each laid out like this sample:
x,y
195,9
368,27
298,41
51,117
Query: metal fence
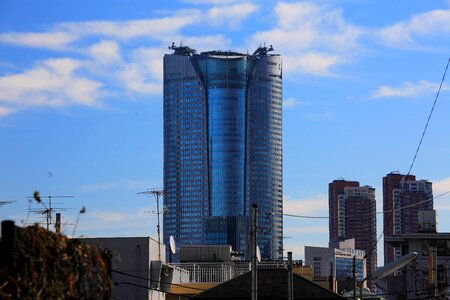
x,y
221,272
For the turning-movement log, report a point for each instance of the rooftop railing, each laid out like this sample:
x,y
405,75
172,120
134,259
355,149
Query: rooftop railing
x,y
217,272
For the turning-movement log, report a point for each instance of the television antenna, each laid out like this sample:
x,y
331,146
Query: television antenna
x,y
48,209
3,202
156,192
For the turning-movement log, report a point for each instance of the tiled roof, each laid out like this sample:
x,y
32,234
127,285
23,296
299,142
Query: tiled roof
x,y
272,284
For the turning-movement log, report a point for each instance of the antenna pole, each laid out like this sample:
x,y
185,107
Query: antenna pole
x,y
48,210
157,193
157,226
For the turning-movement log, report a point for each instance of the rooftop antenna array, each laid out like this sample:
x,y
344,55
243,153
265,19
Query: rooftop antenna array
x,y
3,202
48,209
156,192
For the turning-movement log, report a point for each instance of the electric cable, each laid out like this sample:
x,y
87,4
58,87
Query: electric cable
x,y
149,288
368,214
429,117
156,281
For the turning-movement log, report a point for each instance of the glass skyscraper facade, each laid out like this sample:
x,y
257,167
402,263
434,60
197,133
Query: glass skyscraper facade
x,y
223,148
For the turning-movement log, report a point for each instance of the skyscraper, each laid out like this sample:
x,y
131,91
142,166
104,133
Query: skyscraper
x,y
223,148
403,197
352,212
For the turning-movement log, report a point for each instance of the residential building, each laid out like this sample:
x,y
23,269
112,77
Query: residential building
x,y
335,189
334,264
403,198
353,216
223,148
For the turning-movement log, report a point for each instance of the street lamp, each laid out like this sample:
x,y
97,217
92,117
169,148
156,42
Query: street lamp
x,y
389,268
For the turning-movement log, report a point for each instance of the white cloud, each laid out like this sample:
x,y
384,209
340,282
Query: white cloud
x,y
441,186
311,63
313,38
109,216
440,192
405,34
306,207
139,222
232,15
63,34
52,83
105,52
150,28
291,230
212,2
144,73
291,102
5,111
408,90
48,40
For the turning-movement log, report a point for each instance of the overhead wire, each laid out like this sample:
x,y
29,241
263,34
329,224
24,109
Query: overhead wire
x,y
156,281
369,214
412,163
149,288
429,117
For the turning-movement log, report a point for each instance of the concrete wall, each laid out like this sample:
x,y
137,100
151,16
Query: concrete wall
x,y
131,266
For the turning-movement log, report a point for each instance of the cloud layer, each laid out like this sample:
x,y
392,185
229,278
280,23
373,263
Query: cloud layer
x,y
88,60
409,90
406,34
313,38
52,83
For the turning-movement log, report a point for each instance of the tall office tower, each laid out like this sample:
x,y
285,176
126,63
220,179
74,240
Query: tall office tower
x,y
223,148
403,198
352,212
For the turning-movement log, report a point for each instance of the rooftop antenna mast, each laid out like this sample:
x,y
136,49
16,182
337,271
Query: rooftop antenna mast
x,y
4,202
156,192
48,209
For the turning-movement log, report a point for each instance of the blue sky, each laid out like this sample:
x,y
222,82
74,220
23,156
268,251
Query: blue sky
x,y
81,100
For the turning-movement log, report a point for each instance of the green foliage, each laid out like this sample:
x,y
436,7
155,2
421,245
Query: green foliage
x,y
47,265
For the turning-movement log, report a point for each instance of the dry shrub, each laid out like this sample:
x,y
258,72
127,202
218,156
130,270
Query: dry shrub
x,y
47,265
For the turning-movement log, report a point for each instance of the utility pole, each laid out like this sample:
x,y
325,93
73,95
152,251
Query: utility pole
x,y
157,192
432,268
290,277
354,277
254,258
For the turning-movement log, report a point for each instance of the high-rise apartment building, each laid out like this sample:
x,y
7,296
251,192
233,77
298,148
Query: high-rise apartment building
x,y
352,215
403,198
223,148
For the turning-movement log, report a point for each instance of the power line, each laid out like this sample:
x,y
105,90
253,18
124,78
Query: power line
x,y
149,288
429,117
156,281
369,214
